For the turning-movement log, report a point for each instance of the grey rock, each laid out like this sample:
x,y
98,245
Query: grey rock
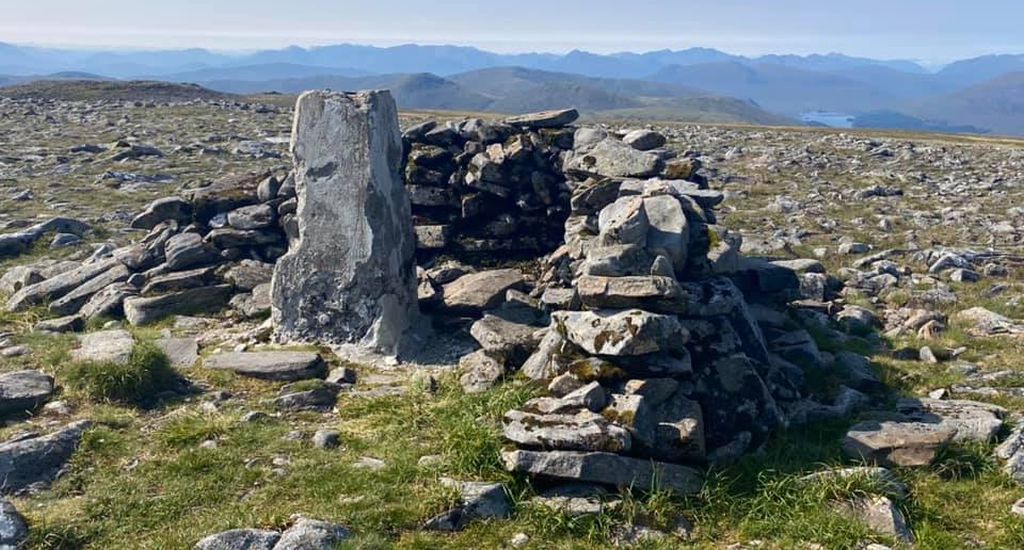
x,y
879,514
56,287
161,210
481,500
73,301
268,189
669,232
70,323
108,302
480,372
577,499
618,333
585,138
583,431
326,439
179,280
187,250
270,365
24,391
114,346
18,277
13,527
240,539
319,399
311,534
39,459
605,468
256,216
504,338
891,443
350,279
546,119
615,159
659,294
624,222
65,240
183,353
644,140
476,292
248,274
142,311
972,420
1011,451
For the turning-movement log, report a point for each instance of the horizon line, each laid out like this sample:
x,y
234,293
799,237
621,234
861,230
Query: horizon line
x,y
241,51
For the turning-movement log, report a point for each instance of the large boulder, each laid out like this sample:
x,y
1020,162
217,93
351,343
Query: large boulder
x,y
350,278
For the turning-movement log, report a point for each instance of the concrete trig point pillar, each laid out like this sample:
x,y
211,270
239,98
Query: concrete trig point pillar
x,y
351,277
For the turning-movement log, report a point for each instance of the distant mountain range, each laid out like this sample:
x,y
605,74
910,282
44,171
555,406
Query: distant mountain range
x,y
980,94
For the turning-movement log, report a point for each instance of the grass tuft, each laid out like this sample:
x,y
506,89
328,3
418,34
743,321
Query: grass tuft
x,y
146,373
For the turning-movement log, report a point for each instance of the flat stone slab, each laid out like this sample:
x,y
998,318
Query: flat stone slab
x,y
143,311
897,443
545,119
479,291
37,460
270,365
24,391
183,352
972,420
605,468
106,345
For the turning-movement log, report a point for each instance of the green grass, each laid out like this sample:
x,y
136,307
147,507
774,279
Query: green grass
x,y
147,373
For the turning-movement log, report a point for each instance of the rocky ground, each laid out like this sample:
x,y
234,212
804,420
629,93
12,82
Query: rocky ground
x,y
921,236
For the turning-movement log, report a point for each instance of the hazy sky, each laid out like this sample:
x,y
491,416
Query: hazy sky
x,y
929,30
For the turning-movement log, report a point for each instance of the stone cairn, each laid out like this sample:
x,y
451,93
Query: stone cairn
x,y
663,349
653,356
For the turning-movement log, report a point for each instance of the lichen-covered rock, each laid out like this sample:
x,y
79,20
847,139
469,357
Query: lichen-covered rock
x,y
627,332
350,278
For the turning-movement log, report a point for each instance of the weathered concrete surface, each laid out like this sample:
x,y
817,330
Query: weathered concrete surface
x,y
350,278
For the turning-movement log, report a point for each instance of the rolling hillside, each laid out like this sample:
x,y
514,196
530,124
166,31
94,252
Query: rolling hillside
x,y
997,105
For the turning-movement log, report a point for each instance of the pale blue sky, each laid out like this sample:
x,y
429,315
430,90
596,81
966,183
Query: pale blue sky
x,y
929,30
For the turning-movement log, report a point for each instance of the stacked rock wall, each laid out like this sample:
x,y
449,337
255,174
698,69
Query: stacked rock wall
x,y
480,187
652,352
